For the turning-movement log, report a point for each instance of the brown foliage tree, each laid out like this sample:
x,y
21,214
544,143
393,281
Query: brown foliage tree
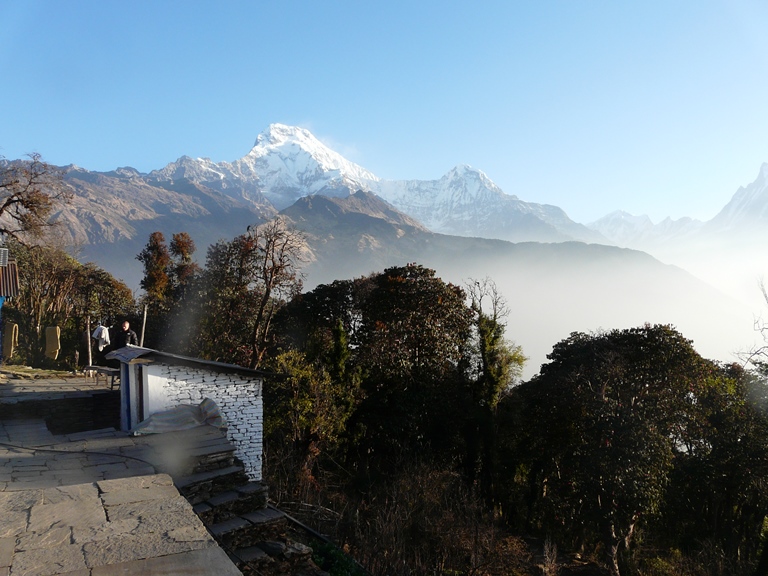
x,y
29,191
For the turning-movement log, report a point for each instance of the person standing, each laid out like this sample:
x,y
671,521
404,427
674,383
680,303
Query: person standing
x,y
125,337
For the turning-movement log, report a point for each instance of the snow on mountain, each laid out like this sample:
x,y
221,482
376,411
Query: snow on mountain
x,y
462,195
624,229
465,202
287,163
622,226
748,206
743,217
295,151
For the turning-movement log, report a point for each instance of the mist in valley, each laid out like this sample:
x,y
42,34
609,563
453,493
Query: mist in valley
x,y
546,305
555,289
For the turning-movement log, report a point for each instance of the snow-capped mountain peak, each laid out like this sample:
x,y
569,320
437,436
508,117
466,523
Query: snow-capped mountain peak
x,y
277,134
470,180
287,163
300,149
750,203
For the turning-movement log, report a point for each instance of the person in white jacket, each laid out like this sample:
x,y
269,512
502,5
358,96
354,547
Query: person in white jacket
x,y
101,335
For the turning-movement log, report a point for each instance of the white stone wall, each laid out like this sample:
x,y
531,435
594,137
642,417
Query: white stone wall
x,y
239,398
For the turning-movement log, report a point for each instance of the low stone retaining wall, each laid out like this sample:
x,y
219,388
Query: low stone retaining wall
x,y
69,415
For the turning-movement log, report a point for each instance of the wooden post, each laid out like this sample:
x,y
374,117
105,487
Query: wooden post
x,y
143,326
88,337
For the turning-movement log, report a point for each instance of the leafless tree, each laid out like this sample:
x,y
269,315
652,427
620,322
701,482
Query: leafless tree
x,y
29,192
279,250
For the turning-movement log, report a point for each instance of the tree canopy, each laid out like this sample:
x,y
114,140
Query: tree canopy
x,y
29,192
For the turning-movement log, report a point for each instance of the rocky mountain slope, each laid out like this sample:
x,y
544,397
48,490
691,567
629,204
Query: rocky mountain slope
x,y
286,164
465,202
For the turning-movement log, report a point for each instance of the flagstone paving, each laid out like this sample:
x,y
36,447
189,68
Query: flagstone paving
x,y
15,388
92,503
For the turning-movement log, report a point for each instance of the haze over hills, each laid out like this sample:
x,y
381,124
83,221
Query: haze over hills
x,y
460,224
553,289
727,251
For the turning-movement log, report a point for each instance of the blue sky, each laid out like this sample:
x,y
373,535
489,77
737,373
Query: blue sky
x,y
653,107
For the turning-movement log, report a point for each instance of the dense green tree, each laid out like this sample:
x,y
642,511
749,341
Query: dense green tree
x,y
183,269
718,492
99,297
496,365
412,347
225,302
169,272
601,422
307,322
307,414
431,366
56,290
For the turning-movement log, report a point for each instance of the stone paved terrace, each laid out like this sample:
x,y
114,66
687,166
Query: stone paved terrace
x,y
91,503
25,386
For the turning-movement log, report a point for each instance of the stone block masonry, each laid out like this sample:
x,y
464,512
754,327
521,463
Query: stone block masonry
x,y
238,397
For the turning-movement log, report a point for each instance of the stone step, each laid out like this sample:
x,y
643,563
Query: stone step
x,y
201,486
29,432
291,558
239,501
265,525
212,461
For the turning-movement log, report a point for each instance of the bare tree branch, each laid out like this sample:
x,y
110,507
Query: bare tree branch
x,y
29,192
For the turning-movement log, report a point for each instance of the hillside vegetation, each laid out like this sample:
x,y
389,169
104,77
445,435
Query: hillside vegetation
x,y
398,425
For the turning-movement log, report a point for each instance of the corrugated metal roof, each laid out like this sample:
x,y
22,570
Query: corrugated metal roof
x,y
131,353
9,279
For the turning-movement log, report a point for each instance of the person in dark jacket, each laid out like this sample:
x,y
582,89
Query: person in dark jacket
x,y
125,336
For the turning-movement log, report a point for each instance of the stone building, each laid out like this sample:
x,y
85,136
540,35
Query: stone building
x,y
154,382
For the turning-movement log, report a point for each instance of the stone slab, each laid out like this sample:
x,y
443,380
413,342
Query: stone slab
x,y
6,550
264,516
149,508
204,562
129,547
21,500
14,523
43,562
53,538
30,484
137,482
251,553
65,493
228,526
67,513
105,531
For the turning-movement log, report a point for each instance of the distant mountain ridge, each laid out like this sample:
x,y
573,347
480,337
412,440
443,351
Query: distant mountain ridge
x,y
287,163
461,224
624,229
746,214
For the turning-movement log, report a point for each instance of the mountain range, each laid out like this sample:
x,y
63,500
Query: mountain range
x,y
563,275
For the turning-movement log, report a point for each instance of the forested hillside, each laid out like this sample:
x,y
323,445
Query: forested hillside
x,y
397,422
